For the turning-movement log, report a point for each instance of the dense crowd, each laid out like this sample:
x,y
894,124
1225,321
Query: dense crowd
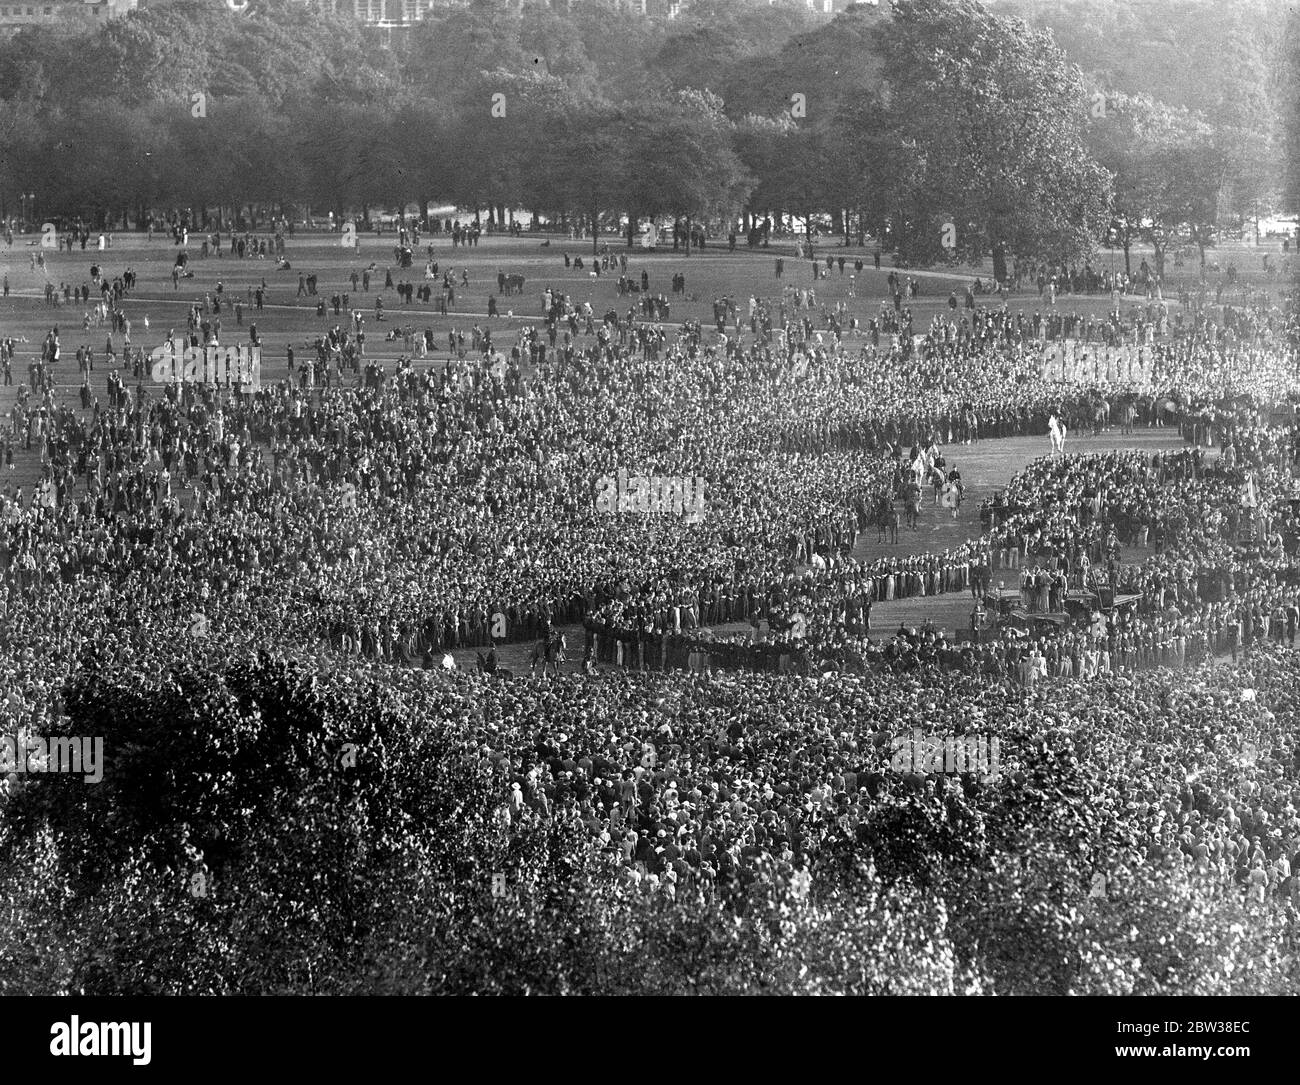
x,y
387,519
702,784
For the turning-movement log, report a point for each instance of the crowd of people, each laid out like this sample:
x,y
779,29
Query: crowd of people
x,y
386,520
703,784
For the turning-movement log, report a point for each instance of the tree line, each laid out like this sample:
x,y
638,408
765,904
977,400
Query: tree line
x,y
943,129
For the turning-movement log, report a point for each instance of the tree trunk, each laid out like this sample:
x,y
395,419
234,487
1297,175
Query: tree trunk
x,y
1202,237
595,231
688,235
1128,264
631,229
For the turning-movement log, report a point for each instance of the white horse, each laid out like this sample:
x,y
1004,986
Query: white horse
x,y
1056,430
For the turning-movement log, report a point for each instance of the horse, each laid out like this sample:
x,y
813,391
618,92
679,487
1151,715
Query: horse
x,y
952,494
1100,414
1056,431
548,652
912,497
937,480
885,517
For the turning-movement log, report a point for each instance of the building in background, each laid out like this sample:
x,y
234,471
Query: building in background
x,y
14,15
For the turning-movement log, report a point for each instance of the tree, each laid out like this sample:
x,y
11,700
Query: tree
x,y
581,165
1133,136
447,56
831,64
1224,64
764,145
1291,66
685,163
996,115
1168,173
862,173
426,172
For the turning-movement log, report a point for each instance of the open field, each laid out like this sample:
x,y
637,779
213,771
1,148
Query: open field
x,y
288,319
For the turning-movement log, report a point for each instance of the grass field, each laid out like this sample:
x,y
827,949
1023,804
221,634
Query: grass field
x,y
288,319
